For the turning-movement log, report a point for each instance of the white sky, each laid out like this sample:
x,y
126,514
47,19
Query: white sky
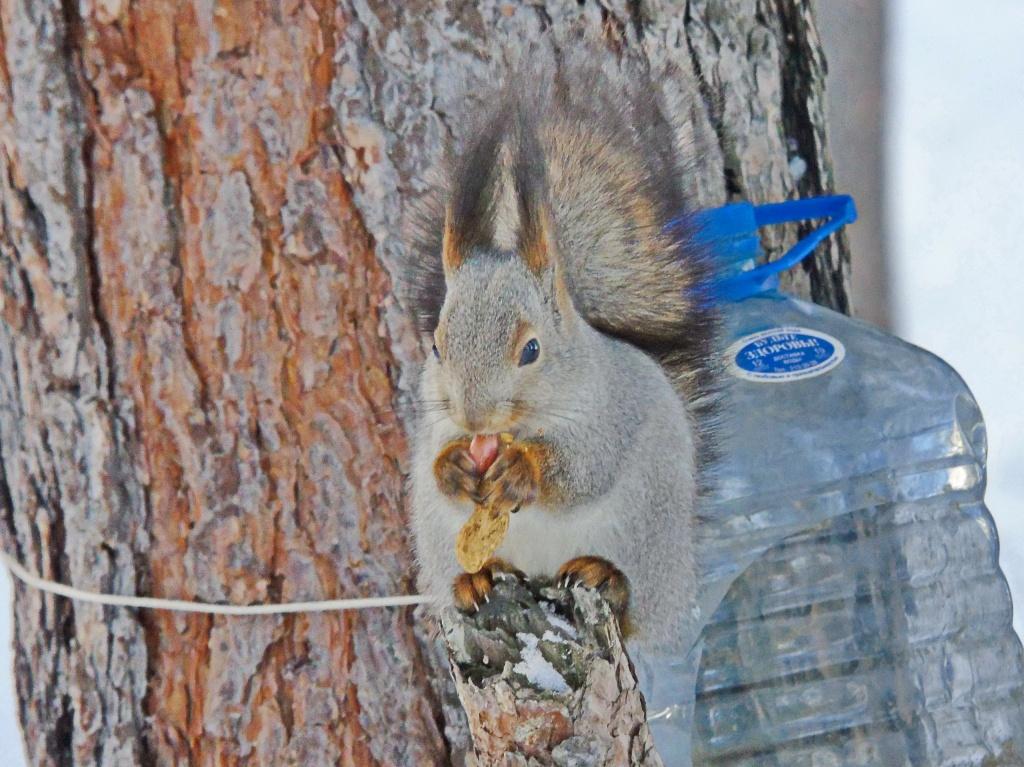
x,y
955,158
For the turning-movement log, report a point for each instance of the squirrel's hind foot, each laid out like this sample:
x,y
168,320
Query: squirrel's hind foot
x,y
600,574
473,589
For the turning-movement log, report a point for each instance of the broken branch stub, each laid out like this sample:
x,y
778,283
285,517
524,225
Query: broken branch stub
x,y
545,680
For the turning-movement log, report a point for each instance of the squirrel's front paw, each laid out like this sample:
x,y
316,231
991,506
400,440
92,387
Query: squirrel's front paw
x,y
473,589
514,479
455,471
600,574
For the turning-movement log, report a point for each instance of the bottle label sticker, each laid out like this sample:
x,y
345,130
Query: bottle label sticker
x,y
781,355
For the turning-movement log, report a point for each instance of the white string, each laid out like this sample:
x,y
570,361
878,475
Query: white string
x,y
185,606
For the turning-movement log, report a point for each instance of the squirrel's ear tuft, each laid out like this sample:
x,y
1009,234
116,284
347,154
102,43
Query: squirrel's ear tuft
x,y
537,237
469,212
560,290
452,253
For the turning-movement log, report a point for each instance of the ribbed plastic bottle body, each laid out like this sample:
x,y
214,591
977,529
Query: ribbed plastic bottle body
x,y
852,607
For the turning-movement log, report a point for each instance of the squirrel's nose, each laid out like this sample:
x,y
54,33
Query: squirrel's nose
x,y
471,416
470,420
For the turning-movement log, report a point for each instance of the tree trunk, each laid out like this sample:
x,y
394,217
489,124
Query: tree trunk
x,y
204,374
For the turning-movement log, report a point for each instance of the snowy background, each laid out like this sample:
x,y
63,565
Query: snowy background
x,y
955,158
954,155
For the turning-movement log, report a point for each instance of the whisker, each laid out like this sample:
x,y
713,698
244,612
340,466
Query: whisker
x,y
432,405
547,408
431,424
519,408
435,409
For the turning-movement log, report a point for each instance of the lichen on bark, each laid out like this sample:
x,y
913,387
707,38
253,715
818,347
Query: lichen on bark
x,y
545,680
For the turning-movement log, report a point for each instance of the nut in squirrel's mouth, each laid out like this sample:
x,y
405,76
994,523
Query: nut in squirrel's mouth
x,y
483,448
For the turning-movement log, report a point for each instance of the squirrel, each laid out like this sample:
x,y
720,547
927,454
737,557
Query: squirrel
x,y
562,309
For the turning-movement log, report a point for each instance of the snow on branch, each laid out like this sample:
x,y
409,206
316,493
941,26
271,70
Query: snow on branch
x,y
545,680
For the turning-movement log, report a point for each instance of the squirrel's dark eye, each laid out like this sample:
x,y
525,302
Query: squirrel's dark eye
x,y
437,354
530,352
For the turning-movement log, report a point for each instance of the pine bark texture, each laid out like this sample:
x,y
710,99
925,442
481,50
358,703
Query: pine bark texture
x,y
545,681
204,374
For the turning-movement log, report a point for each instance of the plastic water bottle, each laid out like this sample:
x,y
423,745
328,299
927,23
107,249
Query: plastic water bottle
x,y
852,610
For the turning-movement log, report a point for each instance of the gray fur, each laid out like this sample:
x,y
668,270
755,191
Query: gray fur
x,y
613,165
623,440
622,393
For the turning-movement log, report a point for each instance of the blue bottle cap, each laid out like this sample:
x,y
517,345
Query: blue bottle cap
x,y
731,233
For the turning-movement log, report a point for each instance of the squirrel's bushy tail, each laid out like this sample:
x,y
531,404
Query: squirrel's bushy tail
x,y
612,177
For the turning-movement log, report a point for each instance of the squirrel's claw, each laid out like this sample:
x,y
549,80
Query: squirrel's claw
x,y
513,480
471,589
597,573
455,471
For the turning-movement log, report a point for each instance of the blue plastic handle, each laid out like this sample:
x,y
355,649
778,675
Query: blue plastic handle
x,y
731,231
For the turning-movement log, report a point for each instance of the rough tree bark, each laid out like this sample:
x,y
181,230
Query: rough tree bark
x,y
545,680
203,372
